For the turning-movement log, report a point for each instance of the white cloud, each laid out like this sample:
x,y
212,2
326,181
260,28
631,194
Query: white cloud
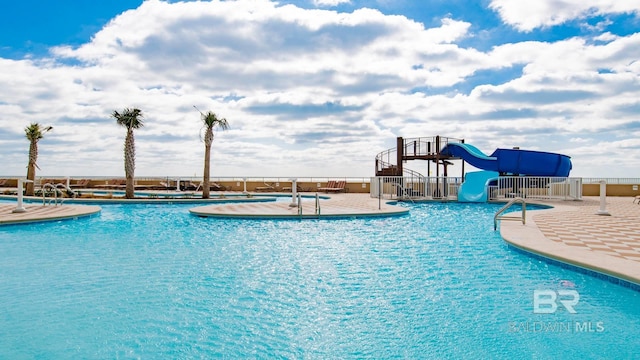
x,y
529,15
310,92
330,2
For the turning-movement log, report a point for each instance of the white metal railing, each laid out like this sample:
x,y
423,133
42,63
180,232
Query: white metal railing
x,y
522,217
284,179
269,179
623,181
44,193
536,187
404,188
405,194
446,188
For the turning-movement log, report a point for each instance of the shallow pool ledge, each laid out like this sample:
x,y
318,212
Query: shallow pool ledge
x,y
530,239
39,213
337,206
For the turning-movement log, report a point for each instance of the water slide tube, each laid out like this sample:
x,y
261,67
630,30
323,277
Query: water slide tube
x,y
512,161
506,161
475,185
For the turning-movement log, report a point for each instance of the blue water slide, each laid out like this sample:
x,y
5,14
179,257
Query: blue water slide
x,y
475,186
512,161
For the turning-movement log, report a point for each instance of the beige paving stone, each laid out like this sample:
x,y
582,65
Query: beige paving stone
x,y
566,231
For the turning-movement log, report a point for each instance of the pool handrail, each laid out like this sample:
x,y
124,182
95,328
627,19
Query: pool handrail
x,y
497,216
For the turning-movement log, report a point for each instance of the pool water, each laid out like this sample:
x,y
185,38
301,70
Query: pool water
x,y
152,281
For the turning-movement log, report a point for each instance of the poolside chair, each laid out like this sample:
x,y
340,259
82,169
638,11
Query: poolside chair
x,y
3,182
266,187
114,184
334,186
340,186
637,198
82,183
330,185
217,187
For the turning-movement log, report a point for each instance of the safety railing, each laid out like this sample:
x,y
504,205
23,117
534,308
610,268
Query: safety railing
x,y
404,192
380,165
536,187
405,188
427,145
522,217
54,189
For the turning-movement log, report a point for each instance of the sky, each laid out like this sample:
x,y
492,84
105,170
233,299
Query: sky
x,y
317,88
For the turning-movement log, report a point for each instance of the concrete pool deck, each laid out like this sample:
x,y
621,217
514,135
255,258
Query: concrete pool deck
x,y
572,233
331,206
40,213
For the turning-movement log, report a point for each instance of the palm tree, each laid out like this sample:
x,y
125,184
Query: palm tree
x,y
34,133
130,119
210,120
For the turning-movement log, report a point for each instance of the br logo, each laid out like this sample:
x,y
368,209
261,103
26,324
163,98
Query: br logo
x,y
546,301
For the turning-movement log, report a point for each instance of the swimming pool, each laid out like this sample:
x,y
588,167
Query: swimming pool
x,y
152,281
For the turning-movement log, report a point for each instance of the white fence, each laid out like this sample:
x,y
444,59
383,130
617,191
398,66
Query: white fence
x,y
536,187
405,188
446,188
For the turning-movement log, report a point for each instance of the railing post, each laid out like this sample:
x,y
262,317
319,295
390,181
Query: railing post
x,y
603,199
379,193
20,207
294,191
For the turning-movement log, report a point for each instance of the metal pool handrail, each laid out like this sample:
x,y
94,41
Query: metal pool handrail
x,y
44,194
317,205
497,216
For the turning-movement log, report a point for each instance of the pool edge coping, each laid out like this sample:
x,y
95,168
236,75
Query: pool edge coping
x,y
528,238
86,211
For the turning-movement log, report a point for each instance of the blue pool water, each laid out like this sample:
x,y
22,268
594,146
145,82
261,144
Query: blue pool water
x,y
152,281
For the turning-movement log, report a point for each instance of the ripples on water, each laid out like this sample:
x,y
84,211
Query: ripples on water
x,y
153,281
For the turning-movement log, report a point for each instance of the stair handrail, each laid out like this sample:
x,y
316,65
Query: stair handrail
x,y
420,147
69,190
404,191
44,193
317,205
497,216
408,172
299,206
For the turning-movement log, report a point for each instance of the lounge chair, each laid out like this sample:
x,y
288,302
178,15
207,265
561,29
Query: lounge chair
x,y
217,187
212,186
3,182
114,184
266,187
298,188
188,185
330,185
160,186
82,183
334,186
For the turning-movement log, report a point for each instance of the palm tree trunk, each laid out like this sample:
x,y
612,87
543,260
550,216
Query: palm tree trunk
x,y
206,183
129,163
31,167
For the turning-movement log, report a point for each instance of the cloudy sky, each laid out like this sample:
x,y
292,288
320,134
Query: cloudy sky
x,y
317,87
